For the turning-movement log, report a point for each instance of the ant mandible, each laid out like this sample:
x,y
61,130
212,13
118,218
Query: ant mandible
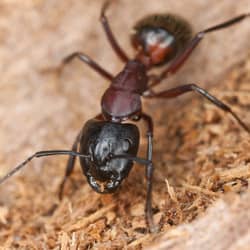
x,y
107,147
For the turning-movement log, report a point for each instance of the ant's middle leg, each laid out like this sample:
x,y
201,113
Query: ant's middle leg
x,y
84,58
184,55
180,90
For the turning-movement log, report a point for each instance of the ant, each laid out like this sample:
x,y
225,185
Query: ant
x,y
106,146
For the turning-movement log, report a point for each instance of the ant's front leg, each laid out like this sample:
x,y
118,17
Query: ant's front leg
x,y
180,90
149,174
70,165
71,161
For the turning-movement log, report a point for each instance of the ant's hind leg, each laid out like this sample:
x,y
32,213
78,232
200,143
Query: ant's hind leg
x,y
69,166
181,58
112,40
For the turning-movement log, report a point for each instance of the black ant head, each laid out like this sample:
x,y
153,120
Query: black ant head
x,y
158,38
103,141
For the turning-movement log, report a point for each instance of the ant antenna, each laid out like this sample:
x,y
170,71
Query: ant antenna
x,y
71,153
41,154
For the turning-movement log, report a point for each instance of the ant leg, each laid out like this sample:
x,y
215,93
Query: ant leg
x,y
84,58
69,166
149,173
40,154
184,55
71,161
112,40
174,92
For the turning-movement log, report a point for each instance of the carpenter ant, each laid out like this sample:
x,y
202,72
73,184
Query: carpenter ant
x,y
107,147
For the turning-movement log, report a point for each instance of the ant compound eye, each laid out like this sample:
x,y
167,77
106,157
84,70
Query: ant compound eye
x,y
126,145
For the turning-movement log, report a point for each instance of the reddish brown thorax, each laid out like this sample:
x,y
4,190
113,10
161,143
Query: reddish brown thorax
x,y
122,99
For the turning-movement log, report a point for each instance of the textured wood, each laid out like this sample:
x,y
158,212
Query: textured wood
x,y
225,226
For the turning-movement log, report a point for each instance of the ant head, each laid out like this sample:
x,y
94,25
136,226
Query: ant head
x,y
158,38
102,140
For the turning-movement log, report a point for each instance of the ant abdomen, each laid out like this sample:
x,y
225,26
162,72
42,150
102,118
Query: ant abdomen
x,y
160,37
